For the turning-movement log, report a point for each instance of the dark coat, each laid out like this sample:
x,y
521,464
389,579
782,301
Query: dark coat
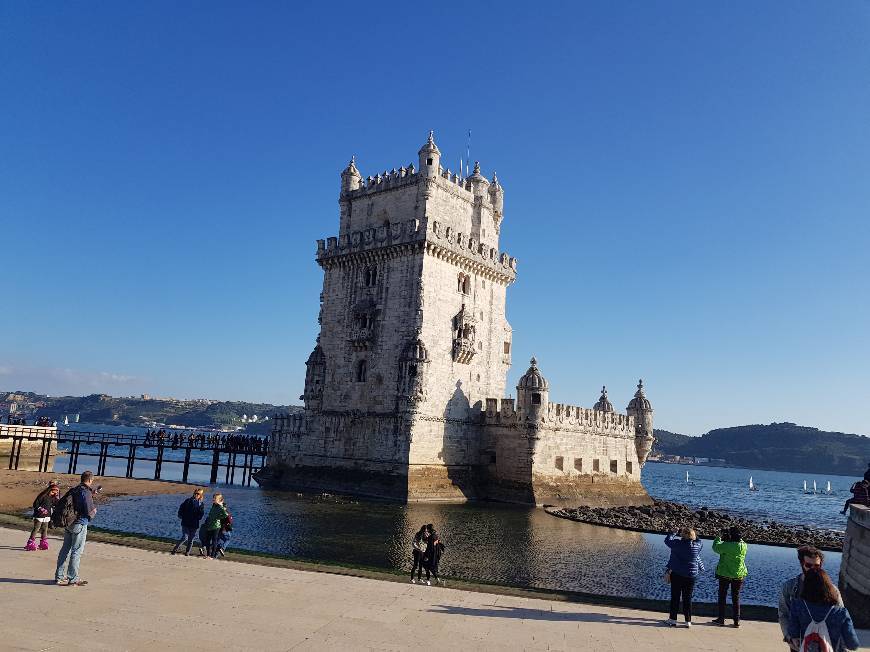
x,y
685,556
191,512
44,504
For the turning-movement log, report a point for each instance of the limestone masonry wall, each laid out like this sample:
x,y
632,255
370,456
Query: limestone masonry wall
x,y
855,566
404,390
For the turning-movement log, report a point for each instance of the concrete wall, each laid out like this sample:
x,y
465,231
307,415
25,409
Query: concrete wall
x,y
855,567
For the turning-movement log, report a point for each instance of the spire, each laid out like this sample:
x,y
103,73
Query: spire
x,y
430,145
639,392
533,362
603,404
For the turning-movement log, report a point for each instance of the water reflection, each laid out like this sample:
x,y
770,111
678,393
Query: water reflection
x,y
486,542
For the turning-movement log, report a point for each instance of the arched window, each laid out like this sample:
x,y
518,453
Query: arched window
x,y
371,276
463,283
361,370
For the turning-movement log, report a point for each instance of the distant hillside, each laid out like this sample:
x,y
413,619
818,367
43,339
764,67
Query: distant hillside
x,y
778,446
129,411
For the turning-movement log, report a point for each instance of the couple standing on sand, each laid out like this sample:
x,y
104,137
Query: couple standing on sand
x,y
426,551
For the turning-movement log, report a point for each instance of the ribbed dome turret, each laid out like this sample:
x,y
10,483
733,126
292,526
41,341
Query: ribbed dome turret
x,y
603,404
429,147
640,401
533,379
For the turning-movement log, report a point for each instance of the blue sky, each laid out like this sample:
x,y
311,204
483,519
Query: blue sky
x,y
686,188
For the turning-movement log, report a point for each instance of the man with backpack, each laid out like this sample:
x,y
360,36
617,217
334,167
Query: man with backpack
x,y
810,558
74,512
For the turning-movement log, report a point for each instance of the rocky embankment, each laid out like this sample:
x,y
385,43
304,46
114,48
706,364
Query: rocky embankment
x,y
663,517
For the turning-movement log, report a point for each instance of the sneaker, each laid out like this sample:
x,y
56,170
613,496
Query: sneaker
x,y
670,622
737,623
61,582
413,581
718,621
689,624
428,583
78,583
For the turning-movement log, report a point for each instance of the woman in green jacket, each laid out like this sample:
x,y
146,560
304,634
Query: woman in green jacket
x,y
731,571
213,524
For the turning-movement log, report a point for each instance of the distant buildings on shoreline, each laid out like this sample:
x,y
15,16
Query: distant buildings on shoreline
x,y
679,459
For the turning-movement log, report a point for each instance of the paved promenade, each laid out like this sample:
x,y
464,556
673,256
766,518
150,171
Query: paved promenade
x,y
143,600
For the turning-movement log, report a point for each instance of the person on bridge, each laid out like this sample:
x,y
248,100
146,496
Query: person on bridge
x,y
75,535
190,512
43,506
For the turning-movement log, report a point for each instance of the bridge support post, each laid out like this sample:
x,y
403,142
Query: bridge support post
x,y
215,462
42,453
186,464
159,462
18,452
12,454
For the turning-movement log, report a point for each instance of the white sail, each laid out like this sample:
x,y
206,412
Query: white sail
x,y
77,418
65,420
687,476
750,483
814,487
828,488
805,486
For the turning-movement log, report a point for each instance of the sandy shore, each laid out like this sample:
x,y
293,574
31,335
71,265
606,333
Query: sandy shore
x,y
19,488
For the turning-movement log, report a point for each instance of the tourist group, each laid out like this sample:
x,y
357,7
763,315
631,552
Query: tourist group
x,y
75,510
810,608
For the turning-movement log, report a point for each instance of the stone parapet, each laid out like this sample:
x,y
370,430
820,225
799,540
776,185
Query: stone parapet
x,y
469,254
563,417
855,566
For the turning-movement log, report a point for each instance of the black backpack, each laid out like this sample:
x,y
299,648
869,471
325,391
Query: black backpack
x,y
65,513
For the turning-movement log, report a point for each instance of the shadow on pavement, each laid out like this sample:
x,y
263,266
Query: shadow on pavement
x,y
539,614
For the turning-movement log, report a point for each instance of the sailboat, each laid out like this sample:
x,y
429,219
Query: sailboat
x,y
752,487
828,488
65,420
815,491
691,484
77,418
805,487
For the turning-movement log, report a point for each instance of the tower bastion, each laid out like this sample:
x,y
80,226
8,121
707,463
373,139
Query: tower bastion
x,y
414,344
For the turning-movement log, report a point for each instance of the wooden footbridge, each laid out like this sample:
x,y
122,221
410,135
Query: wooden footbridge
x,y
245,454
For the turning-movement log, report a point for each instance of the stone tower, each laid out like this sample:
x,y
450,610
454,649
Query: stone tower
x,y
413,346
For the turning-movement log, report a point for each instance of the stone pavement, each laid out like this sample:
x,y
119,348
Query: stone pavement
x,y
143,600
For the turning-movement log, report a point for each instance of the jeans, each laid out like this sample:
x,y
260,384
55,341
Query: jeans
x,y
188,533
73,546
418,564
681,587
736,585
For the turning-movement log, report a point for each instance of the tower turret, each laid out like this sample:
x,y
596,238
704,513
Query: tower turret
x,y
351,179
430,157
496,198
477,183
640,408
603,404
533,393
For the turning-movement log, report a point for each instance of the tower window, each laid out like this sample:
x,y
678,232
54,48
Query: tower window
x,y
578,464
507,348
463,283
629,468
428,161
536,399
370,276
614,466
361,371
596,465
560,463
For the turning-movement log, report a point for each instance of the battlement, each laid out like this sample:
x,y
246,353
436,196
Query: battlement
x,y
447,243
395,178
371,238
562,415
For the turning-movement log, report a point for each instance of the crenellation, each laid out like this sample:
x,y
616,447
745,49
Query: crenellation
x,y
413,346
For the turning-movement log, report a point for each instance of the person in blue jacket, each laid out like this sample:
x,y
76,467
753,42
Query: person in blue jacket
x,y
190,512
818,603
684,566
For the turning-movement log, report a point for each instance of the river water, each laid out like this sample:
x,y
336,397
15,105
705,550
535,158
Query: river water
x,y
503,544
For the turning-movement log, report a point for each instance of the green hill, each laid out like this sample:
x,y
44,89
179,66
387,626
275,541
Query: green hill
x,y
778,446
